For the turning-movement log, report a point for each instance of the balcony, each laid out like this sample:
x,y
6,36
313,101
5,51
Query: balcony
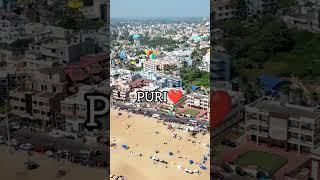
x,y
294,129
251,122
293,140
307,131
306,143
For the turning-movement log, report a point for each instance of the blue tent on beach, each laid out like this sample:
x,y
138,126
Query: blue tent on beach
x,y
203,167
125,146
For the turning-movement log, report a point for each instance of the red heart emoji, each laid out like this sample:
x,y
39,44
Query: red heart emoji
x,y
175,95
220,104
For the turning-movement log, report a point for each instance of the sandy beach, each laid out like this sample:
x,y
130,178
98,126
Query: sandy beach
x,y
146,135
12,167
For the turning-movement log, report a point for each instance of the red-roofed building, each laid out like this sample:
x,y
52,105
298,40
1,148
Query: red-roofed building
x,y
88,70
140,83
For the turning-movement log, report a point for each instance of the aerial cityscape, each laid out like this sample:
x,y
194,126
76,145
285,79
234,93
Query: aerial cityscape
x,y
52,53
160,85
268,54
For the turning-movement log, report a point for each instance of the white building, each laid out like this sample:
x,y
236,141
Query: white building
x,y
284,125
198,101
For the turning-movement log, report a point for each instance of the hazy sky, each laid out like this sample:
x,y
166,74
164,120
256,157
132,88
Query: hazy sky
x,y
160,8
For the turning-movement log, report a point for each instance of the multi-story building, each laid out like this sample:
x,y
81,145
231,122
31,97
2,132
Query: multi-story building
x,y
173,82
8,4
205,66
11,28
220,67
64,51
222,10
121,90
95,9
10,79
74,110
3,86
149,65
39,99
306,18
284,125
196,100
260,7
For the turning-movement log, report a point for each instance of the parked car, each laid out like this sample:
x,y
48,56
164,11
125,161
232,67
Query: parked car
x,y
240,171
56,134
12,142
227,168
26,146
2,139
15,126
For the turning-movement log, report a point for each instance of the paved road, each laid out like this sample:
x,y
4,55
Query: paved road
x,y
40,138
167,117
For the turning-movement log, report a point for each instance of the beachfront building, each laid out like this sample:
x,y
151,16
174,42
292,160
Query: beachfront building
x,y
38,101
74,110
284,125
197,100
10,78
149,88
121,90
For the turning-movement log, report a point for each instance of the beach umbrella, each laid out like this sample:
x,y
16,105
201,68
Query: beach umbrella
x,y
125,146
205,158
203,167
191,161
170,153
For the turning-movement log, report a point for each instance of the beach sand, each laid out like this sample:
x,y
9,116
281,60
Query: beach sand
x,y
139,133
12,167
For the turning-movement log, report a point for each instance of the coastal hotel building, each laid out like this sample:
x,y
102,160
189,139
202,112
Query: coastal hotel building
x,y
288,126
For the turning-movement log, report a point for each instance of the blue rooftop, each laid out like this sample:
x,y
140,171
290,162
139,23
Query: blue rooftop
x,y
193,88
269,82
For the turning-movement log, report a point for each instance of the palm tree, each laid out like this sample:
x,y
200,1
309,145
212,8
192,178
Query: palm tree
x,y
298,93
315,97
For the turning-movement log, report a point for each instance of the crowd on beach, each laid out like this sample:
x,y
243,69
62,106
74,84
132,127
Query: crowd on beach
x,y
199,166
